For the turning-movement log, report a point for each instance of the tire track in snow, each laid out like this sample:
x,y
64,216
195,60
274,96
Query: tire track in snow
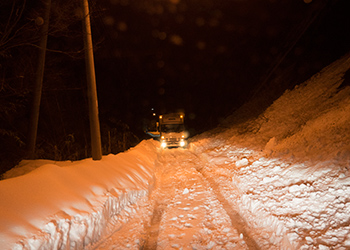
x,y
237,221
183,211
193,217
153,229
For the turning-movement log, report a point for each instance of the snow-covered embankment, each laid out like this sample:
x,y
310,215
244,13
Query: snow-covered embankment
x,y
67,205
290,166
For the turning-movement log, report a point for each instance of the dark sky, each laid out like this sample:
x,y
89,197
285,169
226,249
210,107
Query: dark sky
x,y
208,57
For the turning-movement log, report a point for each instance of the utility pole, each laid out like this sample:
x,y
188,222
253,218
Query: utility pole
x,y
34,116
95,133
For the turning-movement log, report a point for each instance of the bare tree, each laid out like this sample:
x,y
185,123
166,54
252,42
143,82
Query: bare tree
x,y
33,126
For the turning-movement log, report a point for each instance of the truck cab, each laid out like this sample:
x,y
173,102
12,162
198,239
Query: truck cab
x,y
172,130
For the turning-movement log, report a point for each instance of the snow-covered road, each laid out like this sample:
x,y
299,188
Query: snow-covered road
x,y
193,205
187,211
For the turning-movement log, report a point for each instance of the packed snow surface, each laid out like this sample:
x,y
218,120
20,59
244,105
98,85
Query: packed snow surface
x,y
280,181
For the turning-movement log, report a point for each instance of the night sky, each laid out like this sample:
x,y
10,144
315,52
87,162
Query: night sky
x,y
209,57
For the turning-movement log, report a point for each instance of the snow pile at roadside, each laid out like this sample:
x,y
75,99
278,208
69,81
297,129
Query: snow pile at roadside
x,y
290,166
67,205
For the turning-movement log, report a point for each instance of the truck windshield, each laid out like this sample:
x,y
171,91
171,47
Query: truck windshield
x,y
175,128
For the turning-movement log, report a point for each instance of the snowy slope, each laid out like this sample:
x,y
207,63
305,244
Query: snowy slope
x,y
291,164
286,172
309,122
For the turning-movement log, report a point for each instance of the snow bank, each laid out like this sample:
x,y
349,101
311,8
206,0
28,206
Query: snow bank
x,y
59,205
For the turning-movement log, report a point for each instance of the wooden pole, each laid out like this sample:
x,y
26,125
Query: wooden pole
x,y
96,148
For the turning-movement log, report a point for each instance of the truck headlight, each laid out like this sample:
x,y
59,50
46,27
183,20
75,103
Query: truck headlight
x,y
163,144
182,143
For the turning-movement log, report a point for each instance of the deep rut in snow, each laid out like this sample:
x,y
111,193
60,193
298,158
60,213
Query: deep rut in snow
x,y
237,221
192,161
153,230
